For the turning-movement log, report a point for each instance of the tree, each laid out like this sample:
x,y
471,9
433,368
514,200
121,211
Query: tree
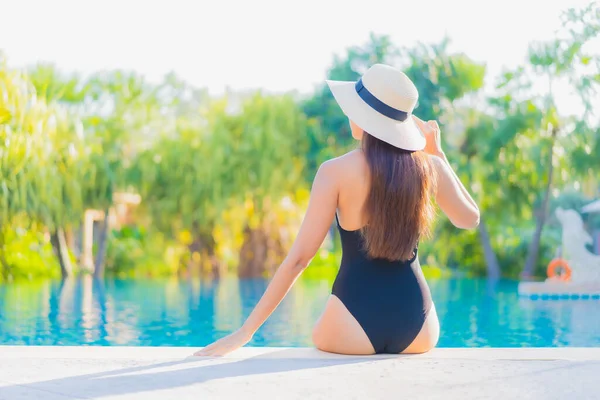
x,y
40,159
181,192
565,57
267,135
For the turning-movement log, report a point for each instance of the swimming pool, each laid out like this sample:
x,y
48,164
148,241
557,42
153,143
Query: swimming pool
x,y
473,313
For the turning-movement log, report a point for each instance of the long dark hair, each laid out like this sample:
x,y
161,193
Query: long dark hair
x,y
398,209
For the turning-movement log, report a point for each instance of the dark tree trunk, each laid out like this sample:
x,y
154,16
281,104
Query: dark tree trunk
x,y
76,243
534,246
70,240
99,264
261,252
4,266
59,245
86,257
202,250
491,261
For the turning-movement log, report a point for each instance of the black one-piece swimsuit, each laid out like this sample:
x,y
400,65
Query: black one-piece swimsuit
x,y
389,299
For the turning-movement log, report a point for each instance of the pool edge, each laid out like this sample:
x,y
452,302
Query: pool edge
x,y
166,352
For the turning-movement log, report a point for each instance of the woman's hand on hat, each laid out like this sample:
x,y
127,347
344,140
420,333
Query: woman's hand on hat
x,y
431,131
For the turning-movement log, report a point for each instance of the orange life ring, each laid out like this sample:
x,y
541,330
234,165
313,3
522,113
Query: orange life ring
x,y
555,265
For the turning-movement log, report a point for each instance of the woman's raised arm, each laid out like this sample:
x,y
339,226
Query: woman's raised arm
x,y
451,195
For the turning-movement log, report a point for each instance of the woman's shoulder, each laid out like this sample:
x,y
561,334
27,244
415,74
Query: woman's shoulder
x,y
347,165
354,158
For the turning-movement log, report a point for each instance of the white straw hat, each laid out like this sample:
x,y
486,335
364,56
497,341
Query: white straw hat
x,y
381,103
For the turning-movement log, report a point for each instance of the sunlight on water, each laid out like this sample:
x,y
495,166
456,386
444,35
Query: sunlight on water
x,y
473,313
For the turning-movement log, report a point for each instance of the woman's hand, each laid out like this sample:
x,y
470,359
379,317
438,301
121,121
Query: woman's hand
x,y
225,345
431,130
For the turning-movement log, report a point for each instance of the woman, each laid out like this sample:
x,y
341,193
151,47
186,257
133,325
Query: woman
x,y
381,197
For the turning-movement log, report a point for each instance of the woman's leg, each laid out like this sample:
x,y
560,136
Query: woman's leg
x,y
337,331
428,336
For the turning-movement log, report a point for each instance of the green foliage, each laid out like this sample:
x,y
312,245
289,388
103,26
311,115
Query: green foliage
x,y
267,137
441,78
28,255
324,265
134,253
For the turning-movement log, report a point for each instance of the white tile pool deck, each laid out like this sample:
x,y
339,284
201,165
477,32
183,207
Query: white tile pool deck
x,y
55,373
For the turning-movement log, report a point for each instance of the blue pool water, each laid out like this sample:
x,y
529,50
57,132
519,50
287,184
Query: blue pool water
x,y
473,313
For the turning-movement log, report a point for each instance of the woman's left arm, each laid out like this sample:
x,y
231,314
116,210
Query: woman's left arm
x,y
316,223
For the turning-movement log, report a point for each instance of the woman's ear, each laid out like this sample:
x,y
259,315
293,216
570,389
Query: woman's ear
x,y
357,132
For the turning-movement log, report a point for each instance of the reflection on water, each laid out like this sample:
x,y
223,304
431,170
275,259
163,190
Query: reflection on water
x,y
473,313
